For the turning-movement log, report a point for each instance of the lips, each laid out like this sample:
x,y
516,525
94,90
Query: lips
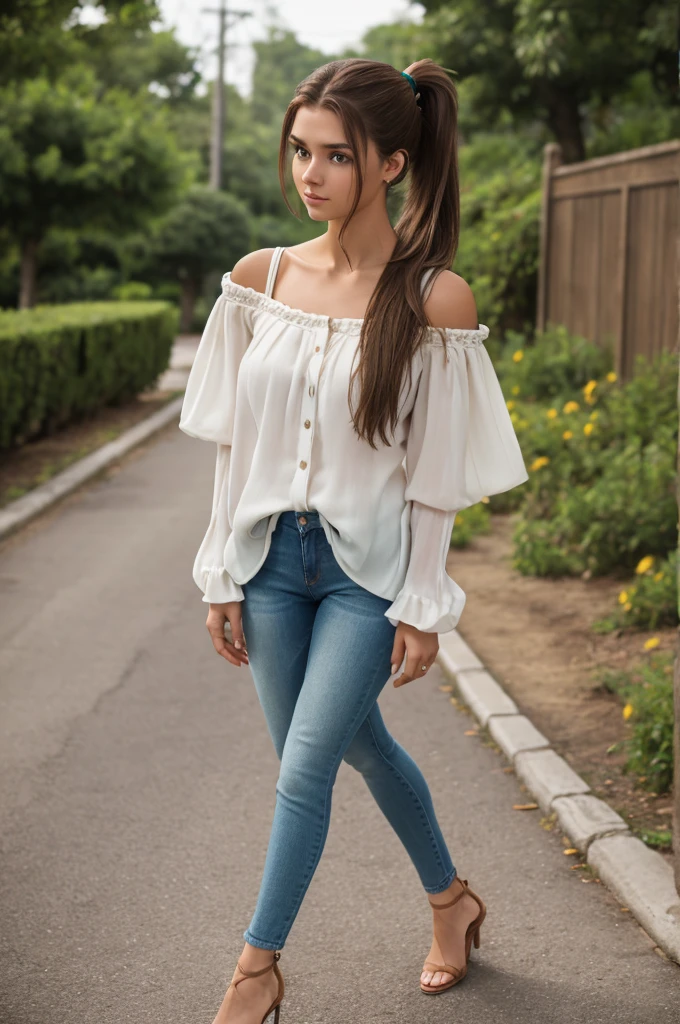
x,y
312,195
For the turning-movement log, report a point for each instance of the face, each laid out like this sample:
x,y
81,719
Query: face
x,y
324,165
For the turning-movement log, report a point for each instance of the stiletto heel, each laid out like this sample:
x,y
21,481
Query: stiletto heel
x,y
471,934
276,1005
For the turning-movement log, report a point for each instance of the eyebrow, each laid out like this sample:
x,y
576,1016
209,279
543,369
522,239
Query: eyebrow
x,y
325,145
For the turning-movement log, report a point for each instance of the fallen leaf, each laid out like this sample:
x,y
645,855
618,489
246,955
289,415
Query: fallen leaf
x,y
572,849
573,867
524,807
624,910
471,732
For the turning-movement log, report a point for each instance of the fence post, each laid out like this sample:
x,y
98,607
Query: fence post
x,y
552,158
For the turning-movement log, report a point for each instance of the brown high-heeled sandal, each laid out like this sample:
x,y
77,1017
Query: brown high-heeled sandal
x,y
472,934
276,1005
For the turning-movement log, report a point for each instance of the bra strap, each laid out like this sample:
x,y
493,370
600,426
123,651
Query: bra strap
x,y
427,282
273,267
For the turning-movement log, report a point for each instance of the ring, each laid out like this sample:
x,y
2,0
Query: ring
x,y
424,668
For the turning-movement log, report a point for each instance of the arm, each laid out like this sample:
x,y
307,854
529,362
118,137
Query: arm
x,y
209,573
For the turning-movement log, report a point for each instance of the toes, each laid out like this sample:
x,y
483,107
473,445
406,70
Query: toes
x,y
426,977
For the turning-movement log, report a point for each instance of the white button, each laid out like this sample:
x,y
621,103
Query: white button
x,y
311,389
303,464
308,423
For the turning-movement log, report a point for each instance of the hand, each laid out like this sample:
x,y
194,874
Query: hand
x,y
420,649
229,612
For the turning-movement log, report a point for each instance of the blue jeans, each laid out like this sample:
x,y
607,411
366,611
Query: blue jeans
x,y
319,647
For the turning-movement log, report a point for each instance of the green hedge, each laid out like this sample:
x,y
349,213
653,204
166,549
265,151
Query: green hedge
x,y
60,363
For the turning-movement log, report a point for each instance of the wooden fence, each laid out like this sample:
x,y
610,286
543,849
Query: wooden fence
x,y
610,252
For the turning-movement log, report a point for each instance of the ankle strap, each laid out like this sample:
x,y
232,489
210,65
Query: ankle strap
x,y
443,906
256,974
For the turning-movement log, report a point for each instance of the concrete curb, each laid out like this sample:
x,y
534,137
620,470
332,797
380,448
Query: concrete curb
x,y
19,512
638,875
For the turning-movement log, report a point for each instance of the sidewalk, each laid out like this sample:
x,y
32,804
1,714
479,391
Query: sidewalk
x,y
137,783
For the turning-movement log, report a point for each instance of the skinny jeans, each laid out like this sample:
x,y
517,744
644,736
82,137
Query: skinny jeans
x,y
319,647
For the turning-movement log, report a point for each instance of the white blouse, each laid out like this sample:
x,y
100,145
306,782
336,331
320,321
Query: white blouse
x,y
269,386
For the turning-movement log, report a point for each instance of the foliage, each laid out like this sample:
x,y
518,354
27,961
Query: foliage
x,y
647,692
550,62
60,363
601,490
500,207
207,229
555,365
648,602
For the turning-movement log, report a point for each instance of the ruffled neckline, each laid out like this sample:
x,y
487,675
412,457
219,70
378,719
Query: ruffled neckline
x,y
258,300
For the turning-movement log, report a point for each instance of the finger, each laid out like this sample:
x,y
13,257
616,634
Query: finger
x,y
412,668
235,628
226,649
398,652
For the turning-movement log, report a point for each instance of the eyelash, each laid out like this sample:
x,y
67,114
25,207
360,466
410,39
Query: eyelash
x,y
345,158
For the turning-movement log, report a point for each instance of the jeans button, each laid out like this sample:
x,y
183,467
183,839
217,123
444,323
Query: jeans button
x,y
302,520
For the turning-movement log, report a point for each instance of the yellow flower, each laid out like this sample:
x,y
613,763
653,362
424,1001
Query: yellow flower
x,y
485,500
658,576
515,389
513,417
652,642
644,564
627,607
538,463
551,414
594,414
623,597
589,387
628,711
588,428
568,434
518,355
590,400
571,407
510,404
611,377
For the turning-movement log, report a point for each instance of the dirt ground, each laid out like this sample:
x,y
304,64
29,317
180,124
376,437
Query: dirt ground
x,y
37,461
534,636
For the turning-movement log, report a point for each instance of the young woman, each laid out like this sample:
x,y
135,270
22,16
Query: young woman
x,y
355,410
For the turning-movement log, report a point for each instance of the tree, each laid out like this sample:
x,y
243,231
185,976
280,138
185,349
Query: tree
x,y
549,58
207,230
71,158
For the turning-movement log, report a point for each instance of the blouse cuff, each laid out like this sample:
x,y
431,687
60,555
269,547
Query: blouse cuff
x,y
217,585
428,614
429,599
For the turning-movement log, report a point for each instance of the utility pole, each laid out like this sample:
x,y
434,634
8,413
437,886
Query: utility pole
x,y
218,105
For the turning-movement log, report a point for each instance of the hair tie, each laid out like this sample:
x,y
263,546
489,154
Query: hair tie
x,y
412,83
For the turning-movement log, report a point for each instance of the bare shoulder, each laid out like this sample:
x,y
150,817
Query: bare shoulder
x,y
451,303
251,271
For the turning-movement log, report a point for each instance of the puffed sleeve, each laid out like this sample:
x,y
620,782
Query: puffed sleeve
x,y
209,573
210,396
461,447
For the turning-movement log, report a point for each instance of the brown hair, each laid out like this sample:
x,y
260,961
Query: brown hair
x,y
374,100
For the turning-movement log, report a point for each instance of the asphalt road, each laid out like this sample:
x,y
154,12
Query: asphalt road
x,y
137,788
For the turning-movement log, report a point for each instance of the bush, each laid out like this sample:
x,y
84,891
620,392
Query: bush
x,y
554,366
60,363
649,602
601,490
500,210
650,710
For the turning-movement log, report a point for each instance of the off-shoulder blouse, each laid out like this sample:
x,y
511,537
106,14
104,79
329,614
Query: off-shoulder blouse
x,y
269,386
